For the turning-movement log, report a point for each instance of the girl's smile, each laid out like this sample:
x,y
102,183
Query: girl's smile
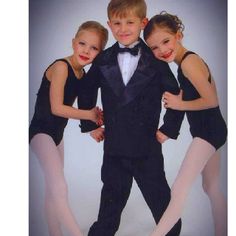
x,y
84,58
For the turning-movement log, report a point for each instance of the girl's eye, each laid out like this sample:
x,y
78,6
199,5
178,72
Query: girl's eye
x,y
130,22
154,48
166,41
116,23
81,43
94,48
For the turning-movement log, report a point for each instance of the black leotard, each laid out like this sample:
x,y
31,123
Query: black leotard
x,y
207,124
43,120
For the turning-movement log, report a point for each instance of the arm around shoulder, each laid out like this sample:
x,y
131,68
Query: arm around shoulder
x,y
172,118
87,96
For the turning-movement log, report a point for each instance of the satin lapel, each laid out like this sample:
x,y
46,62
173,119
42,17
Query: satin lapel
x,y
111,72
113,76
141,77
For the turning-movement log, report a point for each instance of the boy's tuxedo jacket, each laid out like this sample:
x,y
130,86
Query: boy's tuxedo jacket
x,y
131,112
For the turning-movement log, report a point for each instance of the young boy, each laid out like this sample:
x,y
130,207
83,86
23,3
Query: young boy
x,y
132,82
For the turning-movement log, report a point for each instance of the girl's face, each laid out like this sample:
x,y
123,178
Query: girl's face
x,y
86,46
164,44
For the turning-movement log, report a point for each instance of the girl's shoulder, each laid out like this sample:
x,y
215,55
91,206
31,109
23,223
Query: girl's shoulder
x,y
193,66
191,62
188,58
58,67
60,64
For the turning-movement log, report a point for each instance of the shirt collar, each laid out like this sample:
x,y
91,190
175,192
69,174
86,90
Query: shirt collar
x,y
130,46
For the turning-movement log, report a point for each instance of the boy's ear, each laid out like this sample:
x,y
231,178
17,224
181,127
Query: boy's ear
x,y
144,22
109,23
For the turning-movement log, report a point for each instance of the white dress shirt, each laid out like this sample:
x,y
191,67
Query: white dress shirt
x,y
128,63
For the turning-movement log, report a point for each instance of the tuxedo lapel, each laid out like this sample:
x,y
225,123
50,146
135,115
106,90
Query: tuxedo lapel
x,y
113,76
141,77
112,73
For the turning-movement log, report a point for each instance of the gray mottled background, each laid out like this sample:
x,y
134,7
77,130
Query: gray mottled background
x,y
53,24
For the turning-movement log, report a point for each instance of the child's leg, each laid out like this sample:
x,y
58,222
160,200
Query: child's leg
x,y
51,163
54,227
195,160
211,185
117,182
150,177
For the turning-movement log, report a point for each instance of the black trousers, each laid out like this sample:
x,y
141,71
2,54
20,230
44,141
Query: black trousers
x,y
117,175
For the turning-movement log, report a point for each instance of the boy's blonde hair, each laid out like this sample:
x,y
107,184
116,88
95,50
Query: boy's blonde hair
x,y
97,27
121,8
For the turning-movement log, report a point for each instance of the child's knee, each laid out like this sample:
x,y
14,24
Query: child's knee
x,y
210,187
59,190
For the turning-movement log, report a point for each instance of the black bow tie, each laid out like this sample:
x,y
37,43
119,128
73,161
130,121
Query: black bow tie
x,y
133,51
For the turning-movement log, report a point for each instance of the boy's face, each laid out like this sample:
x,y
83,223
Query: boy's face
x,y
126,30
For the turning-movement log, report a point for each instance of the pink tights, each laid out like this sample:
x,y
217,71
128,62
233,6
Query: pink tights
x,y
58,212
201,157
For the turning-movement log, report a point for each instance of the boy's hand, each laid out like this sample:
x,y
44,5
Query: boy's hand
x,y
98,134
161,138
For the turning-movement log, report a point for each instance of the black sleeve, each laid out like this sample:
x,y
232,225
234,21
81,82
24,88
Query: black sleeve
x,y
87,96
172,118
